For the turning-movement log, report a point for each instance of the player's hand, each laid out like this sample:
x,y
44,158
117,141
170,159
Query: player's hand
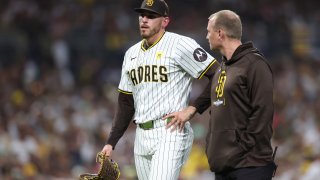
x,y
178,119
107,150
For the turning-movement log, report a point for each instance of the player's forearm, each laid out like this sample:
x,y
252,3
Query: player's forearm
x,y
203,101
190,111
122,119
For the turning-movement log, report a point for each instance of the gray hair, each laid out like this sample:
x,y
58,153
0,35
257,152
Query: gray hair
x,y
228,21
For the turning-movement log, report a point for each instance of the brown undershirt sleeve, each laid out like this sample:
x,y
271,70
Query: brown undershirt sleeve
x,y
122,119
204,100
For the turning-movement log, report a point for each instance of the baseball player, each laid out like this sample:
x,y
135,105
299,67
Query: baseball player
x,y
156,80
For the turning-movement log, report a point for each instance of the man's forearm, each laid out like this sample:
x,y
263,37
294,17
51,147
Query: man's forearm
x,y
122,119
203,101
191,111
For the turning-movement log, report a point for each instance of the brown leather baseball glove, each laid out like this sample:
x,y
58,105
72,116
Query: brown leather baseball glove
x,y
109,169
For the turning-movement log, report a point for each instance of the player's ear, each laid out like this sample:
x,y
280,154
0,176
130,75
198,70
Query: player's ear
x,y
221,33
165,22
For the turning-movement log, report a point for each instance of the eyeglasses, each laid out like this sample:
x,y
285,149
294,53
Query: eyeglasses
x,y
149,16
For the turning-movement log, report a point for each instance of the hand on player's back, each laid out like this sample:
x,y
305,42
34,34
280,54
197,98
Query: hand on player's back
x,y
179,118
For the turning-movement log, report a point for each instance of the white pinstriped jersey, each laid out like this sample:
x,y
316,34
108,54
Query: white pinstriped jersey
x,y
160,77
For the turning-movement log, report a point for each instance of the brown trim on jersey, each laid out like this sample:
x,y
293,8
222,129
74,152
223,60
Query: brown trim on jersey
x,y
124,92
122,118
208,67
144,42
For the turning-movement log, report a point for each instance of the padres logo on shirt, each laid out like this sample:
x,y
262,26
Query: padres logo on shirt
x,y
221,81
220,87
149,2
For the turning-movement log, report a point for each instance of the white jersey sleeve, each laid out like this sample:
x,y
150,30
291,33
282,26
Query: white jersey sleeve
x,y
125,85
192,57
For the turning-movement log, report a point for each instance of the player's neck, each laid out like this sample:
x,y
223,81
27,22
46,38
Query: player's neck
x,y
152,40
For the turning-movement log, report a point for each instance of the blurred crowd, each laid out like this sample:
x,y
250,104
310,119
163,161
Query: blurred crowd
x,y
60,64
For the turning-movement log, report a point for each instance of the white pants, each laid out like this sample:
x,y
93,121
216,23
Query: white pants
x,y
160,153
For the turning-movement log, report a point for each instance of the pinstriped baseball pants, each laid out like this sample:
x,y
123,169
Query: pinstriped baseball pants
x,y
160,153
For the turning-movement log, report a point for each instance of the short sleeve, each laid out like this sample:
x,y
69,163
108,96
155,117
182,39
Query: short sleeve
x,y
192,57
125,85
